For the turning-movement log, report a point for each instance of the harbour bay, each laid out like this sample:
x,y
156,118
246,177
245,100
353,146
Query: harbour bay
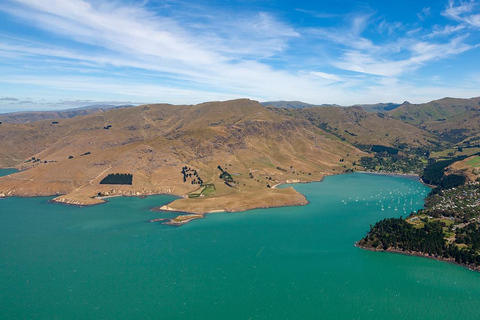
x,y
109,262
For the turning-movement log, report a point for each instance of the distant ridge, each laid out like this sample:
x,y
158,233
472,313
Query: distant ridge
x,y
33,116
295,104
378,107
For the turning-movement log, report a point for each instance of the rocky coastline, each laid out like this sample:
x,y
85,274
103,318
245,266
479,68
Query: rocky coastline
x,y
420,254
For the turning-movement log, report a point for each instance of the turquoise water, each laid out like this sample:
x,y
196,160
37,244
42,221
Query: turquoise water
x,y
4,172
107,262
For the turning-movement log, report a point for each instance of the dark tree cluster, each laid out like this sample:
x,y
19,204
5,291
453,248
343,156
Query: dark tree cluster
x,y
455,135
398,234
118,178
469,235
192,174
227,177
434,174
350,133
392,163
33,160
379,149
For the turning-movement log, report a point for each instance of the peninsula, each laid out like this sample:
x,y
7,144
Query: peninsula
x,y
222,156
216,156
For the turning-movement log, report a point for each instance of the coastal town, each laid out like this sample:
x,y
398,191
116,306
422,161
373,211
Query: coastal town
x,y
447,228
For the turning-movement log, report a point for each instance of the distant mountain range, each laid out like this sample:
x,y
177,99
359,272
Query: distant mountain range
x,y
32,116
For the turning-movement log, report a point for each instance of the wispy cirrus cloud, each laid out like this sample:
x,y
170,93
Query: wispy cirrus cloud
x,y
194,52
424,14
463,11
399,55
208,65
444,30
350,35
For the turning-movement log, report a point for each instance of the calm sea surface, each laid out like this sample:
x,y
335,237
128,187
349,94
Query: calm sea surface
x,y
107,262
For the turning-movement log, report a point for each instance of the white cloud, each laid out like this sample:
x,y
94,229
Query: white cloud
x,y
135,38
424,14
420,52
465,11
349,36
327,76
390,28
444,30
216,54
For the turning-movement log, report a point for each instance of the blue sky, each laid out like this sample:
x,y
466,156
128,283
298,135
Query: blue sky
x,y
67,53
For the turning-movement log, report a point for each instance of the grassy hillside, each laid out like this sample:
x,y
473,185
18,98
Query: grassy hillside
x,y
294,104
256,146
359,127
452,120
378,107
469,167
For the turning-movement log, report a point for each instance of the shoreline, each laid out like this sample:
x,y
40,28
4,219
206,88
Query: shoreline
x,y
303,181
166,208
421,255
411,175
102,198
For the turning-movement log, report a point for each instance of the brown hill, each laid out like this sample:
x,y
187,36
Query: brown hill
x,y
255,146
359,127
450,119
469,167
377,107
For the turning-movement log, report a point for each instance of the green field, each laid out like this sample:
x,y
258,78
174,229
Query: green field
x,y
209,189
474,162
450,152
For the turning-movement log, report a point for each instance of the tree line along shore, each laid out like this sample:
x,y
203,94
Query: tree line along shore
x,y
447,228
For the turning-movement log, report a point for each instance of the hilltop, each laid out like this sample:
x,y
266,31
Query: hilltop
x,y
181,150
